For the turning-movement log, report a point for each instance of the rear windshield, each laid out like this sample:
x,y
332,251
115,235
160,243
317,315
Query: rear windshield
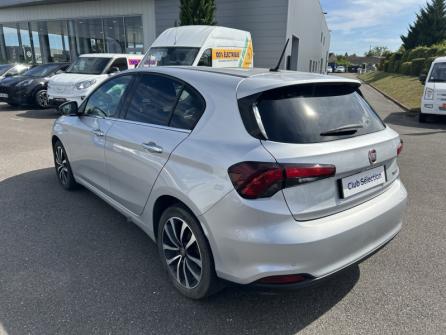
x,y
42,70
4,68
164,56
89,65
438,74
309,114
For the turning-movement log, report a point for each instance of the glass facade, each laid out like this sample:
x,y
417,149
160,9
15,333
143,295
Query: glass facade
x,y
44,42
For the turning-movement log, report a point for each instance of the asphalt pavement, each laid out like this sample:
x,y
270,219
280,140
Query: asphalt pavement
x,y
70,264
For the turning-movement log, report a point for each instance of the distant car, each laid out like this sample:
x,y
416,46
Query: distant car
x,y
329,69
85,74
11,70
432,101
31,87
340,69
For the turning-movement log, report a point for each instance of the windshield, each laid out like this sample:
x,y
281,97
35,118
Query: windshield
x,y
42,70
89,65
438,74
312,113
4,68
163,56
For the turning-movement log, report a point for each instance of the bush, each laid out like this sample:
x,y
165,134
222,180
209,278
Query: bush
x,y
406,68
417,66
386,65
419,52
427,64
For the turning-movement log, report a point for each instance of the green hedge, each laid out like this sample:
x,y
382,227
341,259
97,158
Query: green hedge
x,y
413,62
406,68
417,66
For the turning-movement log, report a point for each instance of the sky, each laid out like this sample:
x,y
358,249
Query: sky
x,y
358,24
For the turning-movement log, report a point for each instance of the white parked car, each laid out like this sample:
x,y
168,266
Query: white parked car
x,y
433,100
85,74
252,176
201,46
340,69
329,69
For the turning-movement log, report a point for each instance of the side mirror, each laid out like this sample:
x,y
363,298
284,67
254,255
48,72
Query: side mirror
x,y
69,108
113,69
423,78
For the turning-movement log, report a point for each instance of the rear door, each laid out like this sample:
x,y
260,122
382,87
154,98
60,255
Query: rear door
x,y
160,115
334,125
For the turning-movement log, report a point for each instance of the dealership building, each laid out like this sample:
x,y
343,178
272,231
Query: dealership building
x,y
43,31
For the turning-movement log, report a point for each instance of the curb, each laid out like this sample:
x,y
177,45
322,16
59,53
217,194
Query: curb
x,y
407,109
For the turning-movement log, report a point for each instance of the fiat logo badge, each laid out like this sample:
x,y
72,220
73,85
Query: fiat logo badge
x,y
372,156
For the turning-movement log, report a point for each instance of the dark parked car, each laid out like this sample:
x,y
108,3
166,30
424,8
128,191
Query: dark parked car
x,y
31,87
11,70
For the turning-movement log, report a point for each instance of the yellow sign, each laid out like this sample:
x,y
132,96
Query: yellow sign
x,y
226,54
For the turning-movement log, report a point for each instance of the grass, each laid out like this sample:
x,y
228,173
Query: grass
x,y
406,89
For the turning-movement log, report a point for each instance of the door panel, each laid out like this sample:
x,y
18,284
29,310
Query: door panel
x,y
135,154
88,132
86,136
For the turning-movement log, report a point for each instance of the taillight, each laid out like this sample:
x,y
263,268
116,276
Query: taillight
x,y
400,148
254,180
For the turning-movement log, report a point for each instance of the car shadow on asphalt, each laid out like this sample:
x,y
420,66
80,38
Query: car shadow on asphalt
x,y
36,113
72,264
411,120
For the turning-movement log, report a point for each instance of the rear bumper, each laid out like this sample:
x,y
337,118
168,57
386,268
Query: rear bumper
x,y
435,110
249,243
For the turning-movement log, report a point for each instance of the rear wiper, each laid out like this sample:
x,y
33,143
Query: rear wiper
x,y
344,130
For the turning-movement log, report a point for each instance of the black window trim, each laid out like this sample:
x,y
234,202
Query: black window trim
x,y
167,126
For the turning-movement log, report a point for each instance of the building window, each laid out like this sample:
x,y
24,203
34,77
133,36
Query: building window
x,y
114,35
63,40
134,35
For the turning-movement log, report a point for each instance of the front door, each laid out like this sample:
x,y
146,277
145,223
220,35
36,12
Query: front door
x,y
88,133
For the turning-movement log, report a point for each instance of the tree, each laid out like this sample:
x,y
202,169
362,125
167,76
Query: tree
x,y
197,12
429,27
377,52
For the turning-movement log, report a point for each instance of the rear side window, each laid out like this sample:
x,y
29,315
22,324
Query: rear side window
x,y
188,110
120,63
309,114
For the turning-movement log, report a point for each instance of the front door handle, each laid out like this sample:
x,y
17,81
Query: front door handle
x,y
152,147
98,132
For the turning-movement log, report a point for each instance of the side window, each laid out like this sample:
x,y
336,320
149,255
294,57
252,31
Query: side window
x,y
206,58
188,111
105,100
153,100
120,63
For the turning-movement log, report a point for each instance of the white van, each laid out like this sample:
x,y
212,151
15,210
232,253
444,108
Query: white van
x,y
201,46
433,100
87,72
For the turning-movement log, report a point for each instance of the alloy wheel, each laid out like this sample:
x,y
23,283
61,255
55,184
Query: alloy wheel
x,y
182,252
42,99
61,165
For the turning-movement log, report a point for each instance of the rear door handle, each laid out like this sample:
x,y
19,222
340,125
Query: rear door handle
x,y
98,132
152,147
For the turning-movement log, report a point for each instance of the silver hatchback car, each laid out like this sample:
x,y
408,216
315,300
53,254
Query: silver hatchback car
x,y
251,176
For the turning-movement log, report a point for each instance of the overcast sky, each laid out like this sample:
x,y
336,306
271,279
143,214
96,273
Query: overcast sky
x,y
358,24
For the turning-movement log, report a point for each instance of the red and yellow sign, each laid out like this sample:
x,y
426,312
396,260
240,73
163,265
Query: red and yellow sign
x,y
226,54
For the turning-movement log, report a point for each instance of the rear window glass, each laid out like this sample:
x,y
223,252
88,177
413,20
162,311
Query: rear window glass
x,y
310,114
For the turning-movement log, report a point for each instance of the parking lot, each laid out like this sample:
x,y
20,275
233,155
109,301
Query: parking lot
x,y
70,264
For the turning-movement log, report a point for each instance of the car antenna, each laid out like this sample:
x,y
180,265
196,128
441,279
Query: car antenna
x,y
276,69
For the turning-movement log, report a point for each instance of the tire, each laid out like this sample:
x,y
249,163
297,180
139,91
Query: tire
x,y
183,247
63,169
422,118
41,99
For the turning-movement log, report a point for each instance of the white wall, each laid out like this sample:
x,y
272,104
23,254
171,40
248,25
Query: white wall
x,y
306,21
84,9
